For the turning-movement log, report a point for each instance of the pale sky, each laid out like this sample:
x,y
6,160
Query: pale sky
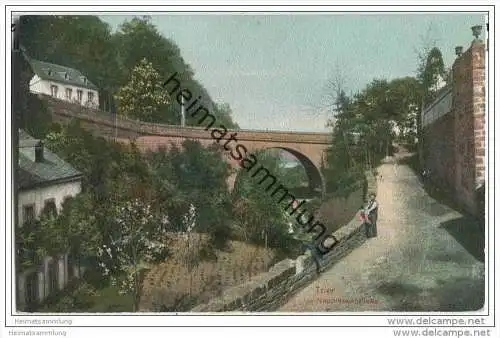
x,y
273,69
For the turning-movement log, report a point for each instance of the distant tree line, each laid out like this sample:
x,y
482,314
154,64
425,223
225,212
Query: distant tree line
x,y
366,124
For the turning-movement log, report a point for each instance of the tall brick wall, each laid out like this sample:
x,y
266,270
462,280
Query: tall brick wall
x,y
455,143
478,101
462,110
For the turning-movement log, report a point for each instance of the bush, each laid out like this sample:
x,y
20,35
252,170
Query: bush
x,y
169,301
343,184
77,299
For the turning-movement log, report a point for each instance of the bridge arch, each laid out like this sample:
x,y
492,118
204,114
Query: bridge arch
x,y
316,182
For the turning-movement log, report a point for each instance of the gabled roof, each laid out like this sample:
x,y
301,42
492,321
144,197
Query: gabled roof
x,y
51,170
57,73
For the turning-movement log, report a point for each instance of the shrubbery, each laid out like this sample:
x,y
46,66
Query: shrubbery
x,y
173,183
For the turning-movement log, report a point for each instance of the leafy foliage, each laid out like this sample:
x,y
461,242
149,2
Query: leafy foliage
x,y
143,96
29,252
78,226
258,215
434,75
75,300
135,241
224,115
195,176
366,125
295,176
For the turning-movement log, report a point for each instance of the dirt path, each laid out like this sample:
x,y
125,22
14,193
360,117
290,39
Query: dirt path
x,y
414,264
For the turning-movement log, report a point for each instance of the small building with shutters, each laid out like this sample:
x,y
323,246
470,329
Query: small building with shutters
x,y
63,83
44,181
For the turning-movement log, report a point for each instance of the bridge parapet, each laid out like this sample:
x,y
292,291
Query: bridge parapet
x,y
72,110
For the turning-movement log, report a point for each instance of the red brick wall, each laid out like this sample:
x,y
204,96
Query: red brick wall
x,y
462,108
478,101
455,143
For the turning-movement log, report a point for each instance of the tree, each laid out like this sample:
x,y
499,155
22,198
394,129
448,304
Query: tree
x,y
428,43
406,95
365,127
195,175
434,75
112,173
258,216
224,115
295,176
78,229
189,221
137,39
31,245
135,242
143,96
335,95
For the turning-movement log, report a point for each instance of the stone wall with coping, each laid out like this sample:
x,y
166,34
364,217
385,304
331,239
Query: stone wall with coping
x,y
64,111
269,290
454,143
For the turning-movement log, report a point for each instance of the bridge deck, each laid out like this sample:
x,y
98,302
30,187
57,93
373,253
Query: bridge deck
x,y
66,110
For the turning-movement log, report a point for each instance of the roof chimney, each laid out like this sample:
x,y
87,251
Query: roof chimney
x,y
39,152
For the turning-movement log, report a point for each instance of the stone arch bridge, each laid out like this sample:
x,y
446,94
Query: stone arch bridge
x,y
308,147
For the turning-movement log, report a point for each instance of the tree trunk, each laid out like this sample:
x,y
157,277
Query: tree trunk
x,y
136,283
189,265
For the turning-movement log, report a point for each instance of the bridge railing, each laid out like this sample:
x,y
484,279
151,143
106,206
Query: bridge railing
x,y
69,109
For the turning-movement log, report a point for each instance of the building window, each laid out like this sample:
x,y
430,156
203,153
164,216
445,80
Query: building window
x,y
69,93
50,208
31,287
53,91
79,95
90,96
28,213
66,200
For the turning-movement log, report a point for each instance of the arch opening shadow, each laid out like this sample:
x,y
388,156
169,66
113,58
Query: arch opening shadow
x,y
316,183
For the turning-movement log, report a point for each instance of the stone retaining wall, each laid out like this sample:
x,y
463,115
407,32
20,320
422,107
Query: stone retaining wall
x,y
454,143
268,291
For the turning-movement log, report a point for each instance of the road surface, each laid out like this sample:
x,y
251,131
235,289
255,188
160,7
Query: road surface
x,y
427,257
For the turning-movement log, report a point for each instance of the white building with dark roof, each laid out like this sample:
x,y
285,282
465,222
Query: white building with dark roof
x,y
63,83
44,182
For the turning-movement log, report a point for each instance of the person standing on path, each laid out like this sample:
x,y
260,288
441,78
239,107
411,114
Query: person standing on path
x,y
314,254
372,213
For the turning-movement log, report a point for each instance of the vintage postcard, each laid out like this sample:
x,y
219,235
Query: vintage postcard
x,y
171,162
